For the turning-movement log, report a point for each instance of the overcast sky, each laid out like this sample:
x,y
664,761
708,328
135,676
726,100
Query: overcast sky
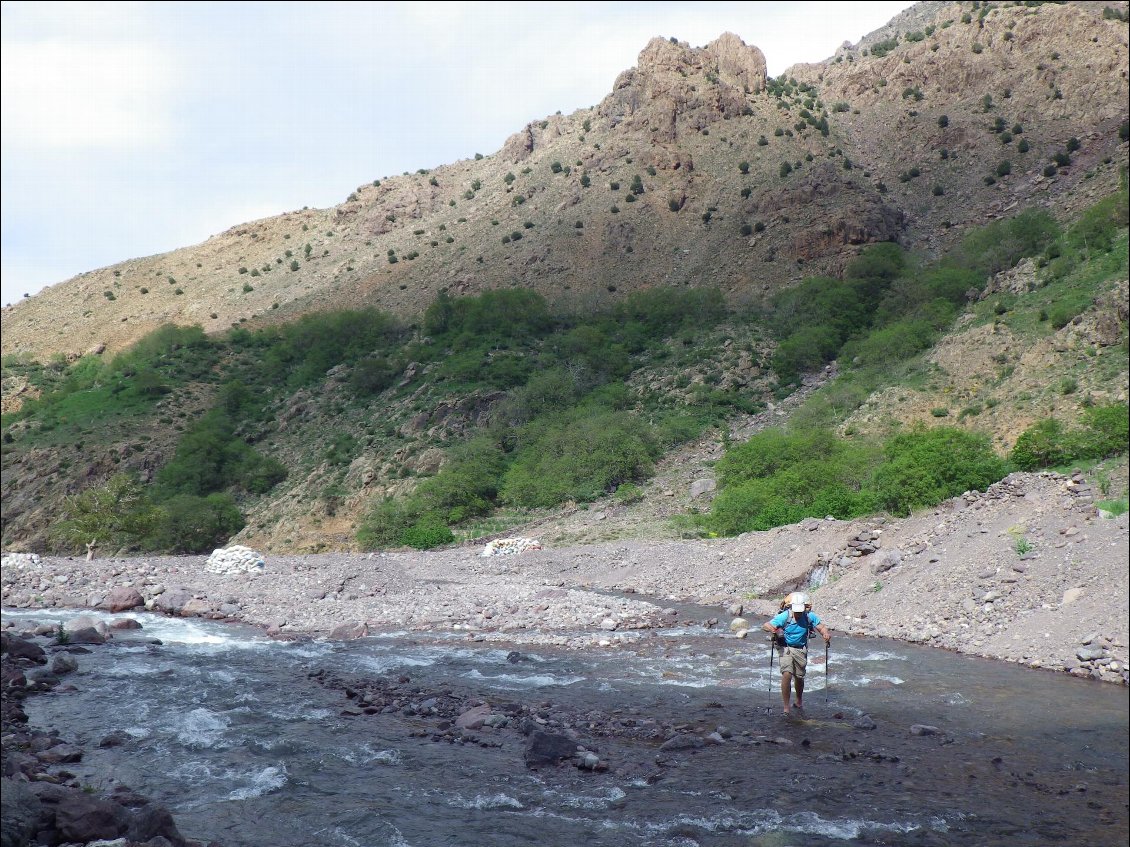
x,y
130,129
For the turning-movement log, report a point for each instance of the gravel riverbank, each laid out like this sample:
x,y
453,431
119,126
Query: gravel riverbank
x,y
1027,572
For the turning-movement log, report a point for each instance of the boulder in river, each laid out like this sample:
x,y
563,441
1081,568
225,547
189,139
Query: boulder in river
x,y
349,631
548,748
122,598
21,648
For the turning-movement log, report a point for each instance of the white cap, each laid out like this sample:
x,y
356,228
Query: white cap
x,y
798,601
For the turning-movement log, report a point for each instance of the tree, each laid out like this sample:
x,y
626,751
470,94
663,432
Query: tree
x,y
116,514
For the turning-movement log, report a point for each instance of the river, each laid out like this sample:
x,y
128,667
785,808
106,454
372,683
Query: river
x,y
252,741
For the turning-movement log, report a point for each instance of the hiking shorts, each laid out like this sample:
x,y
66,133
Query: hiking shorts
x,y
794,660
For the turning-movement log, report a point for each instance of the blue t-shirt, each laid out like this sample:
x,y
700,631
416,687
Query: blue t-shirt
x,y
796,634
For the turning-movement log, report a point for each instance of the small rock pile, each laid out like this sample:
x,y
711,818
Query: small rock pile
x,y
236,559
509,546
20,560
1093,660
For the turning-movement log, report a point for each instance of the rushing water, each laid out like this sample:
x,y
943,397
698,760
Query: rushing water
x,y
229,731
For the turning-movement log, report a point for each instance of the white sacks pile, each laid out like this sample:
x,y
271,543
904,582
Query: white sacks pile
x,y
510,546
234,560
20,560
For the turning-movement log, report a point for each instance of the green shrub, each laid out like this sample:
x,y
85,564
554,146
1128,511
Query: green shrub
x,y
881,48
1044,444
579,458
211,458
191,524
117,514
924,467
427,532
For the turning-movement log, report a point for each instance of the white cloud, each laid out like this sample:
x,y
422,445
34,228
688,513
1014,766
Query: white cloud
x,y
66,94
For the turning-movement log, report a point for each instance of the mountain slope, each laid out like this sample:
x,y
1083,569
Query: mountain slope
x,y
744,183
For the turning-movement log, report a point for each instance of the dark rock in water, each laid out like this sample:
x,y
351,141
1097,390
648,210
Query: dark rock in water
x,y
151,822
63,663
683,741
86,635
125,623
76,816
43,678
513,657
60,753
21,648
863,722
114,739
923,729
19,819
548,748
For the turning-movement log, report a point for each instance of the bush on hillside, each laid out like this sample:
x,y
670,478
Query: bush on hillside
x,y
210,458
926,466
116,514
579,457
190,524
1104,432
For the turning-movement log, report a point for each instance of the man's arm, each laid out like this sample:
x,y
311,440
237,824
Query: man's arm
x,y
824,631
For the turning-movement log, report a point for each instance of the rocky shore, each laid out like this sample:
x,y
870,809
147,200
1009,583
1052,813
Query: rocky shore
x,y
43,802
1026,572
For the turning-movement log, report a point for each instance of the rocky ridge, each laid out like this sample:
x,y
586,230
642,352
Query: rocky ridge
x,y
689,125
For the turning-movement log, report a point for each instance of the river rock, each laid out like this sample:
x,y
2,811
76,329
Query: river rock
x,y
1089,654
59,754
683,741
152,822
125,623
473,718
122,598
85,622
77,816
924,729
739,625
116,738
21,809
863,722
85,635
548,748
63,663
349,631
21,648
172,600
196,607
1071,595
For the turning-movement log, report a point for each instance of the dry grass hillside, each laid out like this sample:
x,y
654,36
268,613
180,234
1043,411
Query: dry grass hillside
x,y
694,170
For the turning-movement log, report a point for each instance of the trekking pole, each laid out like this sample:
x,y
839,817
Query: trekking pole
x,y
827,675
769,706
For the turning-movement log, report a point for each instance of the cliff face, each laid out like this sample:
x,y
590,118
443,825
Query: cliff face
x,y
694,170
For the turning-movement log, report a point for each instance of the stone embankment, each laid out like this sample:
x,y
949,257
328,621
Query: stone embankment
x,y
1026,572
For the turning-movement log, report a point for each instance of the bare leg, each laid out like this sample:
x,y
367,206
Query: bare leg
x,y
799,684
786,684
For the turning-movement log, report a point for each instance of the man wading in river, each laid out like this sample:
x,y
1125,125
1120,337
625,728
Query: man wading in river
x,y
791,628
